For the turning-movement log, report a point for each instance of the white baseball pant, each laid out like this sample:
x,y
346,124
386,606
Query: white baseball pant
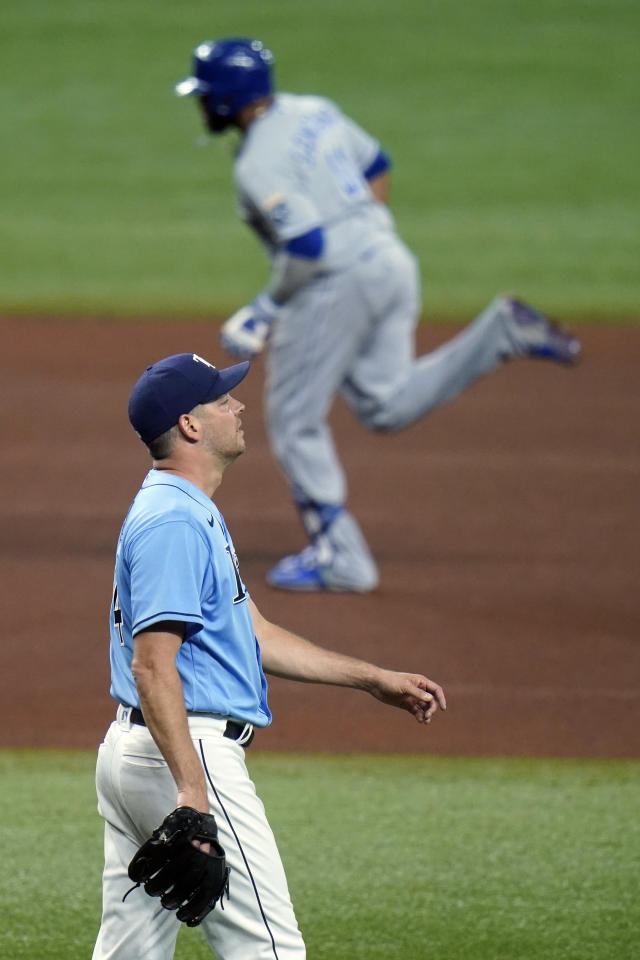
x,y
135,792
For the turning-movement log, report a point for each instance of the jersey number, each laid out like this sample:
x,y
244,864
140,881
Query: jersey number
x,y
345,173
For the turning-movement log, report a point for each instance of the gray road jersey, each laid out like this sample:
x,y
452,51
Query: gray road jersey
x,y
301,166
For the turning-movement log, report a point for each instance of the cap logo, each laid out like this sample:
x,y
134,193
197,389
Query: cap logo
x,y
240,59
199,359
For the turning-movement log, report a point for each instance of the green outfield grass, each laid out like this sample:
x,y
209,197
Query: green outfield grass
x,y
388,858
512,127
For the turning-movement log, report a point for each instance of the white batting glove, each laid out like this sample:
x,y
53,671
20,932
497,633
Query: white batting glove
x,y
246,331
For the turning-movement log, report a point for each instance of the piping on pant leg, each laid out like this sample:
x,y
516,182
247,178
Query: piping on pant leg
x,y
258,921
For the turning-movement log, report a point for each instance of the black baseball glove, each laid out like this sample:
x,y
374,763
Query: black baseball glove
x,y
183,876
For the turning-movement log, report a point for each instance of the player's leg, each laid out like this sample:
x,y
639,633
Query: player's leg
x,y
311,349
137,926
144,929
135,793
317,338
389,388
388,393
258,920
337,557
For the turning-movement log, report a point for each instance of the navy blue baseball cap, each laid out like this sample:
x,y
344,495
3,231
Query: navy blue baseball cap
x,y
174,386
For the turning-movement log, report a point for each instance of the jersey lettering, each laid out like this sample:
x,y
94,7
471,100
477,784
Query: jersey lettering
x,y
117,613
241,592
305,141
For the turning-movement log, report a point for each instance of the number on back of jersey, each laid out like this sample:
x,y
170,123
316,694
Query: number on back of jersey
x,y
345,173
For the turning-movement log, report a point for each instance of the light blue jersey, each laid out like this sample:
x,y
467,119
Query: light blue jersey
x,y
175,561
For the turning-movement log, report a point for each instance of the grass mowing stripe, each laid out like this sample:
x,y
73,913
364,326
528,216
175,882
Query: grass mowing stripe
x,y
386,857
519,108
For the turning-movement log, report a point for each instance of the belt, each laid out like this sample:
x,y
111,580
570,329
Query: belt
x,y
242,733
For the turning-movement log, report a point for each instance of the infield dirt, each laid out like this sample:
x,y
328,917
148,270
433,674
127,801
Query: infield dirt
x,y
506,525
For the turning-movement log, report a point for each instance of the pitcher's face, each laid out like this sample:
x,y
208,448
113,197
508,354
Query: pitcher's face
x,y
222,426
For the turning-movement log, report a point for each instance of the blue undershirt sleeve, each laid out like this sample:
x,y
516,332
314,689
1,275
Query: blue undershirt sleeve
x,y
308,245
381,163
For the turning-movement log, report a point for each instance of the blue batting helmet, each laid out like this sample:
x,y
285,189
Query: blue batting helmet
x,y
228,74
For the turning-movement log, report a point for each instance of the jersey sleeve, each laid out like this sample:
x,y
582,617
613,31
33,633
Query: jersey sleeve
x,y
168,565
274,205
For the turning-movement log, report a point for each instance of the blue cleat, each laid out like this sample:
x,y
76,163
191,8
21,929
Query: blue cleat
x,y
299,571
304,571
537,336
